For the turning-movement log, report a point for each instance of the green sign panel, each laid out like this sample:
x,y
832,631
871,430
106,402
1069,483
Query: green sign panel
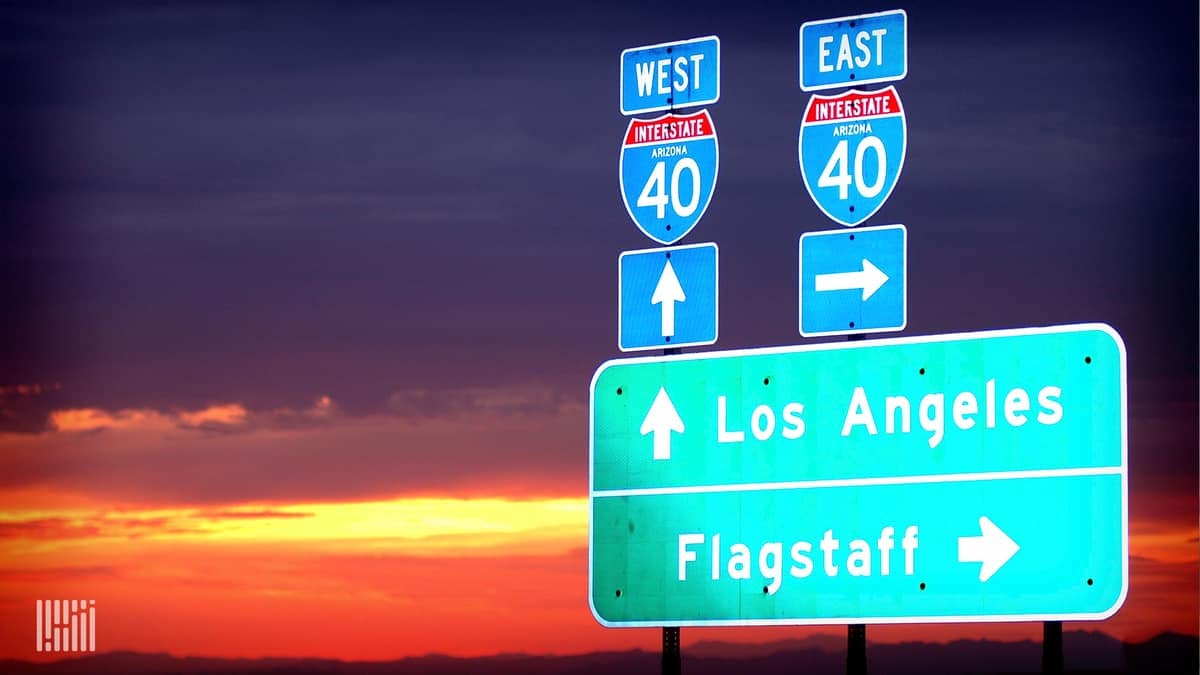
x,y
969,477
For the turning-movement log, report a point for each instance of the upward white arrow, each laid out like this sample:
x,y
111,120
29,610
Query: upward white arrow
x,y
667,293
869,280
992,547
661,420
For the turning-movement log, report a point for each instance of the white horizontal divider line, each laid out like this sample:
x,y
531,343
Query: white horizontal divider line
x,y
862,482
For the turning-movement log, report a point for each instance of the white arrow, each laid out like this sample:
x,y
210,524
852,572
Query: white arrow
x,y
869,280
661,421
668,292
993,548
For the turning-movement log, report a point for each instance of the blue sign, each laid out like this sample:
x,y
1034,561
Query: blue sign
x,y
853,282
671,75
851,151
854,50
668,171
668,297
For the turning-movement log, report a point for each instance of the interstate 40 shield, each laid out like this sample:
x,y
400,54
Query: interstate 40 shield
x,y
668,171
851,151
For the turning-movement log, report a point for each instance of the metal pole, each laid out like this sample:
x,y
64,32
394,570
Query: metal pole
x,y
671,658
856,649
670,651
856,633
1052,647
670,635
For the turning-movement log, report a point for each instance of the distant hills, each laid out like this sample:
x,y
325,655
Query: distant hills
x,y
1085,652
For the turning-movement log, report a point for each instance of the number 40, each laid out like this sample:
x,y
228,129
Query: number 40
x,y
653,193
840,158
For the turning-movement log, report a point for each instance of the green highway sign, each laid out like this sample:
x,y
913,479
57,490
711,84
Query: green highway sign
x,y
969,477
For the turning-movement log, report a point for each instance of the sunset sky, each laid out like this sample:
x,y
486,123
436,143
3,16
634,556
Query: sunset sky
x,y
301,301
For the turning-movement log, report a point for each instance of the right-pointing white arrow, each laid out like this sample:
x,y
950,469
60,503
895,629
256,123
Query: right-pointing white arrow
x,y
661,420
869,280
668,292
992,547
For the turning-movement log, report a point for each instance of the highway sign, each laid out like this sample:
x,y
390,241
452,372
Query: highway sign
x,y
969,477
854,50
667,297
668,171
853,281
671,75
851,151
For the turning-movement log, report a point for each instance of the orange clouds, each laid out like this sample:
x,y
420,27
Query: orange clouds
x,y
453,523
507,442
349,602
217,414
411,403
389,578
412,526
93,419
352,580
27,390
227,415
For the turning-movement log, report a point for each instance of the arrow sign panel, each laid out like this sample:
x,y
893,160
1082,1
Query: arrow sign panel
x,y
853,282
667,297
969,477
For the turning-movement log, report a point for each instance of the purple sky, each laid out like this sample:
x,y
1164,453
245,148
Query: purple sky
x,y
397,206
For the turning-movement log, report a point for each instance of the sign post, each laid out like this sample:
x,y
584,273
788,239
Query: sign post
x,y
660,77
834,53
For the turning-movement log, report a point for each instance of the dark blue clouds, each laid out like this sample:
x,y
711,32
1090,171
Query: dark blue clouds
x,y
264,203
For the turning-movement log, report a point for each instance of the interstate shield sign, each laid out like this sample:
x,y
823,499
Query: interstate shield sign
x,y
851,151
668,172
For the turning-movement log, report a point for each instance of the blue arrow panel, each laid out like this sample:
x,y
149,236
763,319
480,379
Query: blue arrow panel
x,y
838,268
667,297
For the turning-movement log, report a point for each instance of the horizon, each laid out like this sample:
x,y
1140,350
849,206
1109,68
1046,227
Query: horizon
x,y
711,647
304,302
